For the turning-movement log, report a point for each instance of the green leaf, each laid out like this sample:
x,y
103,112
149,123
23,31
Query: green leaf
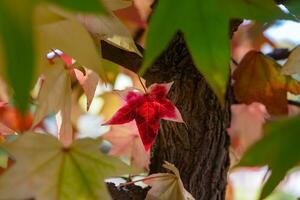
x,y
279,149
44,169
18,49
205,25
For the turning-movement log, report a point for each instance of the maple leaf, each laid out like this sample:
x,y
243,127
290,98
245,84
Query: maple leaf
x,y
205,25
166,186
258,79
279,149
45,169
147,109
109,29
126,141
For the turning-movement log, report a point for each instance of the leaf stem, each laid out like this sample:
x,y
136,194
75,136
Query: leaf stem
x,y
144,87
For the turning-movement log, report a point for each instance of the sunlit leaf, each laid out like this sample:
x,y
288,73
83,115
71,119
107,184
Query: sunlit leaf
x,y
67,35
109,29
44,169
55,96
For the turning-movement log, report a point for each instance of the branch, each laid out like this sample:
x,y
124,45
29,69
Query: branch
x,y
128,192
279,54
294,103
124,58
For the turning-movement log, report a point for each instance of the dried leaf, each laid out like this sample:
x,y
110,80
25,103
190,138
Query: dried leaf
x,y
258,79
165,186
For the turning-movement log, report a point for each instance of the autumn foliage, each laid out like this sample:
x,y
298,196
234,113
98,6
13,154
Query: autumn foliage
x,y
54,71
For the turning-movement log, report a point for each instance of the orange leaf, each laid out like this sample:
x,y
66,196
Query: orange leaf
x,y
258,79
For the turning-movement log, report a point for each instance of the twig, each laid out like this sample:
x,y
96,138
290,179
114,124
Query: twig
x,y
143,179
294,103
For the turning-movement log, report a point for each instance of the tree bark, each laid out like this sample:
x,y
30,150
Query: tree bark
x,y
199,149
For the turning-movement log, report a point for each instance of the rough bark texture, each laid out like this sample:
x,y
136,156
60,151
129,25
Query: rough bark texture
x,y
130,192
200,149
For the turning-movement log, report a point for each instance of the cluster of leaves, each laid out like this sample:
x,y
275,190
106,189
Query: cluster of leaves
x,y
33,30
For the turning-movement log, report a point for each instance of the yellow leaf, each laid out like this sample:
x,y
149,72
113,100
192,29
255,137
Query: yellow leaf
x,y
61,30
45,170
109,29
165,186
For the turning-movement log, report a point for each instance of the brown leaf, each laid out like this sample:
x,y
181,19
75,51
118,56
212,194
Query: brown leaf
x,y
258,79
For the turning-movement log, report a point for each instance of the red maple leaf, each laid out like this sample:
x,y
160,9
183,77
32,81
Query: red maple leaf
x,y
147,109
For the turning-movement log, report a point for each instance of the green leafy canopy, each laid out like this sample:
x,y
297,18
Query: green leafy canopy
x,y
205,25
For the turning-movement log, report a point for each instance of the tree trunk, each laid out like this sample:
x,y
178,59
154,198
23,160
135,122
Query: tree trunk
x,y
199,149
